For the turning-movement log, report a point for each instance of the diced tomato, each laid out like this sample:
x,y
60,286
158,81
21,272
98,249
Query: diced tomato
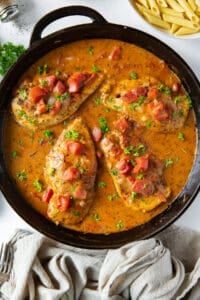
x,y
115,151
80,193
75,148
36,93
130,97
97,134
143,186
63,203
115,53
122,125
124,166
158,110
56,108
71,174
51,81
60,88
141,91
76,81
47,195
41,107
152,93
142,164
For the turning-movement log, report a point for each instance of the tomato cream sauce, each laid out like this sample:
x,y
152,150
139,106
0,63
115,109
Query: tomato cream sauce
x,y
26,149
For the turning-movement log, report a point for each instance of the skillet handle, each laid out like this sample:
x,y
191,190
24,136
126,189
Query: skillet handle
x,y
61,13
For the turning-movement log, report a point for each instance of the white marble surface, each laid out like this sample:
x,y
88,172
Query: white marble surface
x,y
115,11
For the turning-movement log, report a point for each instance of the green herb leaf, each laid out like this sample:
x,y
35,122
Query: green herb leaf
x,y
168,162
95,68
133,195
38,185
22,175
63,97
120,224
103,125
113,197
101,184
14,154
96,217
90,50
133,75
114,172
72,134
42,69
76,213
48,134
98,101
181,136
9,53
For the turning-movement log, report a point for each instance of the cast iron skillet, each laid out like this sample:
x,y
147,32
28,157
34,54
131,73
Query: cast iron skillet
x,y
99,28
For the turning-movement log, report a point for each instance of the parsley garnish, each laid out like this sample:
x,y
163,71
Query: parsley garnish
x,y
113,197
90,50
48,134
95,69
96,217
22,175
103,125
38,185
101,184
72,134
9,53
42,69
168,162
14,153
120,224
133,75
114,172
181,136
63,97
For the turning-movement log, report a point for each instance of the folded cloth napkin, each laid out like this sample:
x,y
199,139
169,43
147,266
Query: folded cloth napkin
x,y
164,267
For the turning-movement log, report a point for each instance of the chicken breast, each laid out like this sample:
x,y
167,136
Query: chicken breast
x,y
148,102
49,100
70,173
136,172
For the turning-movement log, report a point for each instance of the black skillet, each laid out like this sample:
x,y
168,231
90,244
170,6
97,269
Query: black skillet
x,y
99,28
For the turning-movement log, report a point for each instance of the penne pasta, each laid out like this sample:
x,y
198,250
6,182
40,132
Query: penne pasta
x,y
192,4
143,10
174,28
162,3
178,17
185,31
173,4
171,12
143,2
154,7
180,21
157,21
191,15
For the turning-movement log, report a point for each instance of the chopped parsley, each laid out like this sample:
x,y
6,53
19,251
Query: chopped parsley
x,y
90,50
38,185
22,175
101,184
181,136
103,125
72,134
177,99
48,134
76,213
42,69
63,97
114,172
164,89
168,162
133,75
133,195
23,93
9,53
95,68
135,151
98,101
22,114
96,217
52,171
113,197
148,124
57,73
188,100
120,224
140,176
14,153
20,142
43,82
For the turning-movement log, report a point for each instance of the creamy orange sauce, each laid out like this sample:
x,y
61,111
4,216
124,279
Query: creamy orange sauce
x,y
26,149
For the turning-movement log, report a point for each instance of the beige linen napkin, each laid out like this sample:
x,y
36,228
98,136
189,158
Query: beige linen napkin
x,y
165,267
